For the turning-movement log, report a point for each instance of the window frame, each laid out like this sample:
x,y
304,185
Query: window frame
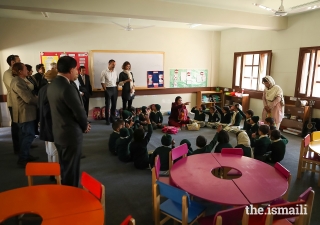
x,y
237,54
302,53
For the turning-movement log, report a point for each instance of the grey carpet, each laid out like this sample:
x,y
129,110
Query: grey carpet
x,y
128,190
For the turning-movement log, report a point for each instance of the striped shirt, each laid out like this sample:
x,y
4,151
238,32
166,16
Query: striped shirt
x,y
110,78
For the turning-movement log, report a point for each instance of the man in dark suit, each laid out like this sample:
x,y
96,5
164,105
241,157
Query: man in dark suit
x,y
85,87
69,120
39,75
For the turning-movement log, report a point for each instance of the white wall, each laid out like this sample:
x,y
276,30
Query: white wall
x,y
184,48
302,32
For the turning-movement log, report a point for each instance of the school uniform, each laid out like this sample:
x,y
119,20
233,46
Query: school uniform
x,y
114,136
139,152
208,148
163,153
220,146
236,118
246,123
253,130
143,121
225,117
278,149
260,145
199,116
122,146
246,150
213,117
156,119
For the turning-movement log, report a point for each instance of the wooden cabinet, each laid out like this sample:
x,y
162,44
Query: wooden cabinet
x,y
295,119
206,94
231,100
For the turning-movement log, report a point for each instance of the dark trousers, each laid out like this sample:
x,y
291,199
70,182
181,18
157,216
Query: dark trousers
x,y
25,139
86,104
111,96
69,159
124,103
14,133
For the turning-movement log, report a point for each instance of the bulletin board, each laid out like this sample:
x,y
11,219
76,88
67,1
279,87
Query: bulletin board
x,y
141,62
48,57
155,79
184,78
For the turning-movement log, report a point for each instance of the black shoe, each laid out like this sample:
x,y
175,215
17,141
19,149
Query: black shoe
x,y
108,123
32,158
22,163
82,156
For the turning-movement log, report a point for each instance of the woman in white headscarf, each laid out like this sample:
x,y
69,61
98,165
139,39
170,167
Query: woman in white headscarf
x,y
126,80
243,141
273,101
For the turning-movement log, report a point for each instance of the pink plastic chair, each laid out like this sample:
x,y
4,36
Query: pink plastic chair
x,y
180,151
231,216
235,151
286,173
128,221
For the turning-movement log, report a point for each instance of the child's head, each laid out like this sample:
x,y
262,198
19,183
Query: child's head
x,y
121,123
225,109
138,135
203,107
126,115
132,110
212,109
153,107
144,109
249,113
185,141
116,126
263,130
201,141
223,137
235,107
275,135
157,107
269,121
124,132
254,119
166,140
272,128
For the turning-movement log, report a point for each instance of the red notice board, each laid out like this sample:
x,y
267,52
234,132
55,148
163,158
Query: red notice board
x,y
48,57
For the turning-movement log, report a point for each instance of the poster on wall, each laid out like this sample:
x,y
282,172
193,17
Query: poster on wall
x,y
182,78
155,79
50,57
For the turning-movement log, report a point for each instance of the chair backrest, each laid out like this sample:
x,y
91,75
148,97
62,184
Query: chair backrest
x,y
43,169
308,197
315,135
94,187
128,221
284,211
172,193
234,151
306,140
286,173
157,166
230,216
177,152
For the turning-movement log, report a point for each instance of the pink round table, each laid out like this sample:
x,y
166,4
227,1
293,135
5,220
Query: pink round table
x,y
259,182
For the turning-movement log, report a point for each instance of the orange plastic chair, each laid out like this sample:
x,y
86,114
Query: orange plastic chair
x,y
94,187
128,221
43,169
180,151
286,173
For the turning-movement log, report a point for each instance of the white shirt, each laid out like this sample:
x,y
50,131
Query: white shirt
x,y
78,85
110,78
83,78
7,77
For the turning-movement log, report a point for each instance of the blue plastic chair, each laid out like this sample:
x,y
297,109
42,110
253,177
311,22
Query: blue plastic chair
x,y
178,206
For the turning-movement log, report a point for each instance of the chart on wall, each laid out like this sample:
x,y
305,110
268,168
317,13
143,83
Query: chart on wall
x,y
50,57
155,79
181,78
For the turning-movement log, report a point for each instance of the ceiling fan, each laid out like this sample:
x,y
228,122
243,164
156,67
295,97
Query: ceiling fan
x,y
296,9
129,27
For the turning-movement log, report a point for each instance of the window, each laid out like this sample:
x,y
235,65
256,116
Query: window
x,y
308,74
249,68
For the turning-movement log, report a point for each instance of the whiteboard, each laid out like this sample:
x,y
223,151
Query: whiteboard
x,y
141,62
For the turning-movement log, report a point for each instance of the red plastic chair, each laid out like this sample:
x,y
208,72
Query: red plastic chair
x,y
94,187
231,216
128,221
180,151
286,173
43,169
232,173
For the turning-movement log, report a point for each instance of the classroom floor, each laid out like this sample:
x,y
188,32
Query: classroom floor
x,y
128,190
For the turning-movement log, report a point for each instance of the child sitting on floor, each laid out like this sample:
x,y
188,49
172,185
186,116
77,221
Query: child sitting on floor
x,y
254,127
138,147
223,140
163,152
116,126
142,118
185,141
277,146
130,116
236,116
243,141
199,116
262,143
213,117
122,143
156,117
270,122
225,114
246,124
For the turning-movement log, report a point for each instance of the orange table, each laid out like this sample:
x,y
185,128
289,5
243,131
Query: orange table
x,y
50,202
315,146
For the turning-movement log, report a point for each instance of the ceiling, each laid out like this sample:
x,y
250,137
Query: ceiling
x,y
213,14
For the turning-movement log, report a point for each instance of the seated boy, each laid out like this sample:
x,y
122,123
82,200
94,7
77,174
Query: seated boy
x,y
236,116
142,118
122,144
213,117
156,117
254,127
138,147
199,116
163,152
223,140
246,124
116,126
262,143
225,114
277,146
130,115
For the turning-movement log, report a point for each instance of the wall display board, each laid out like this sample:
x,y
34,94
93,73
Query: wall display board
x,y
155,79
141,62
49,57
181,78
